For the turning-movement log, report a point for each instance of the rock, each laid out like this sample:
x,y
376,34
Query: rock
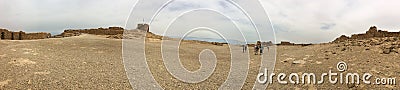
x,y
389,49
296,62
289,59
118,36
299,62
392,50
58,36
29,82
344,49
341,38
351,85
284,61
386,51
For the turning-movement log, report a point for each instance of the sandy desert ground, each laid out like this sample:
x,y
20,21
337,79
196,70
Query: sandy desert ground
x,y
95,62
84,62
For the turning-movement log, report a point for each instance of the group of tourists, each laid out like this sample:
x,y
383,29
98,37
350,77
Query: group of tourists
x,y
258,48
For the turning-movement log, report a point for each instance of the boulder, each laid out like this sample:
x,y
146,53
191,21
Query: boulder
x,y
341,38
386,51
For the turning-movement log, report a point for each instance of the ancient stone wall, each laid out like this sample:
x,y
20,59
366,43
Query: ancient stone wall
x,y
115,28
286,43
40,35
99,31
5,34
8,35
292,44
17,35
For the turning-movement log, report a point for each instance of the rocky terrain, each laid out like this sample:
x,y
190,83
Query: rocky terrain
x,y
389,42
360,56
81,62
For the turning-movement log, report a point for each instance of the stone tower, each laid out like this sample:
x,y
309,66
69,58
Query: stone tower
x,y
372,30
144,27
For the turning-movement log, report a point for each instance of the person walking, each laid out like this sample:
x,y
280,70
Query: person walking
x,y
244,48
256,49
261,49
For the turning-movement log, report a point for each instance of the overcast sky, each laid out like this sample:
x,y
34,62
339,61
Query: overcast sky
x,y
310,21
56,15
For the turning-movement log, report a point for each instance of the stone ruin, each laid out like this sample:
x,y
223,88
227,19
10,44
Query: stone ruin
x,y
286,43
144,27
373,32
114,32
388,42
9,35
98,31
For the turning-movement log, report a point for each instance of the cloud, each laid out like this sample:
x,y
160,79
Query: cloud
x,y
327,26
56,15
313,21
318,21
181,5
221,15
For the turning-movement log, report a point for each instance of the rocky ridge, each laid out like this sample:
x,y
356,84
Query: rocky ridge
x,y
388,42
